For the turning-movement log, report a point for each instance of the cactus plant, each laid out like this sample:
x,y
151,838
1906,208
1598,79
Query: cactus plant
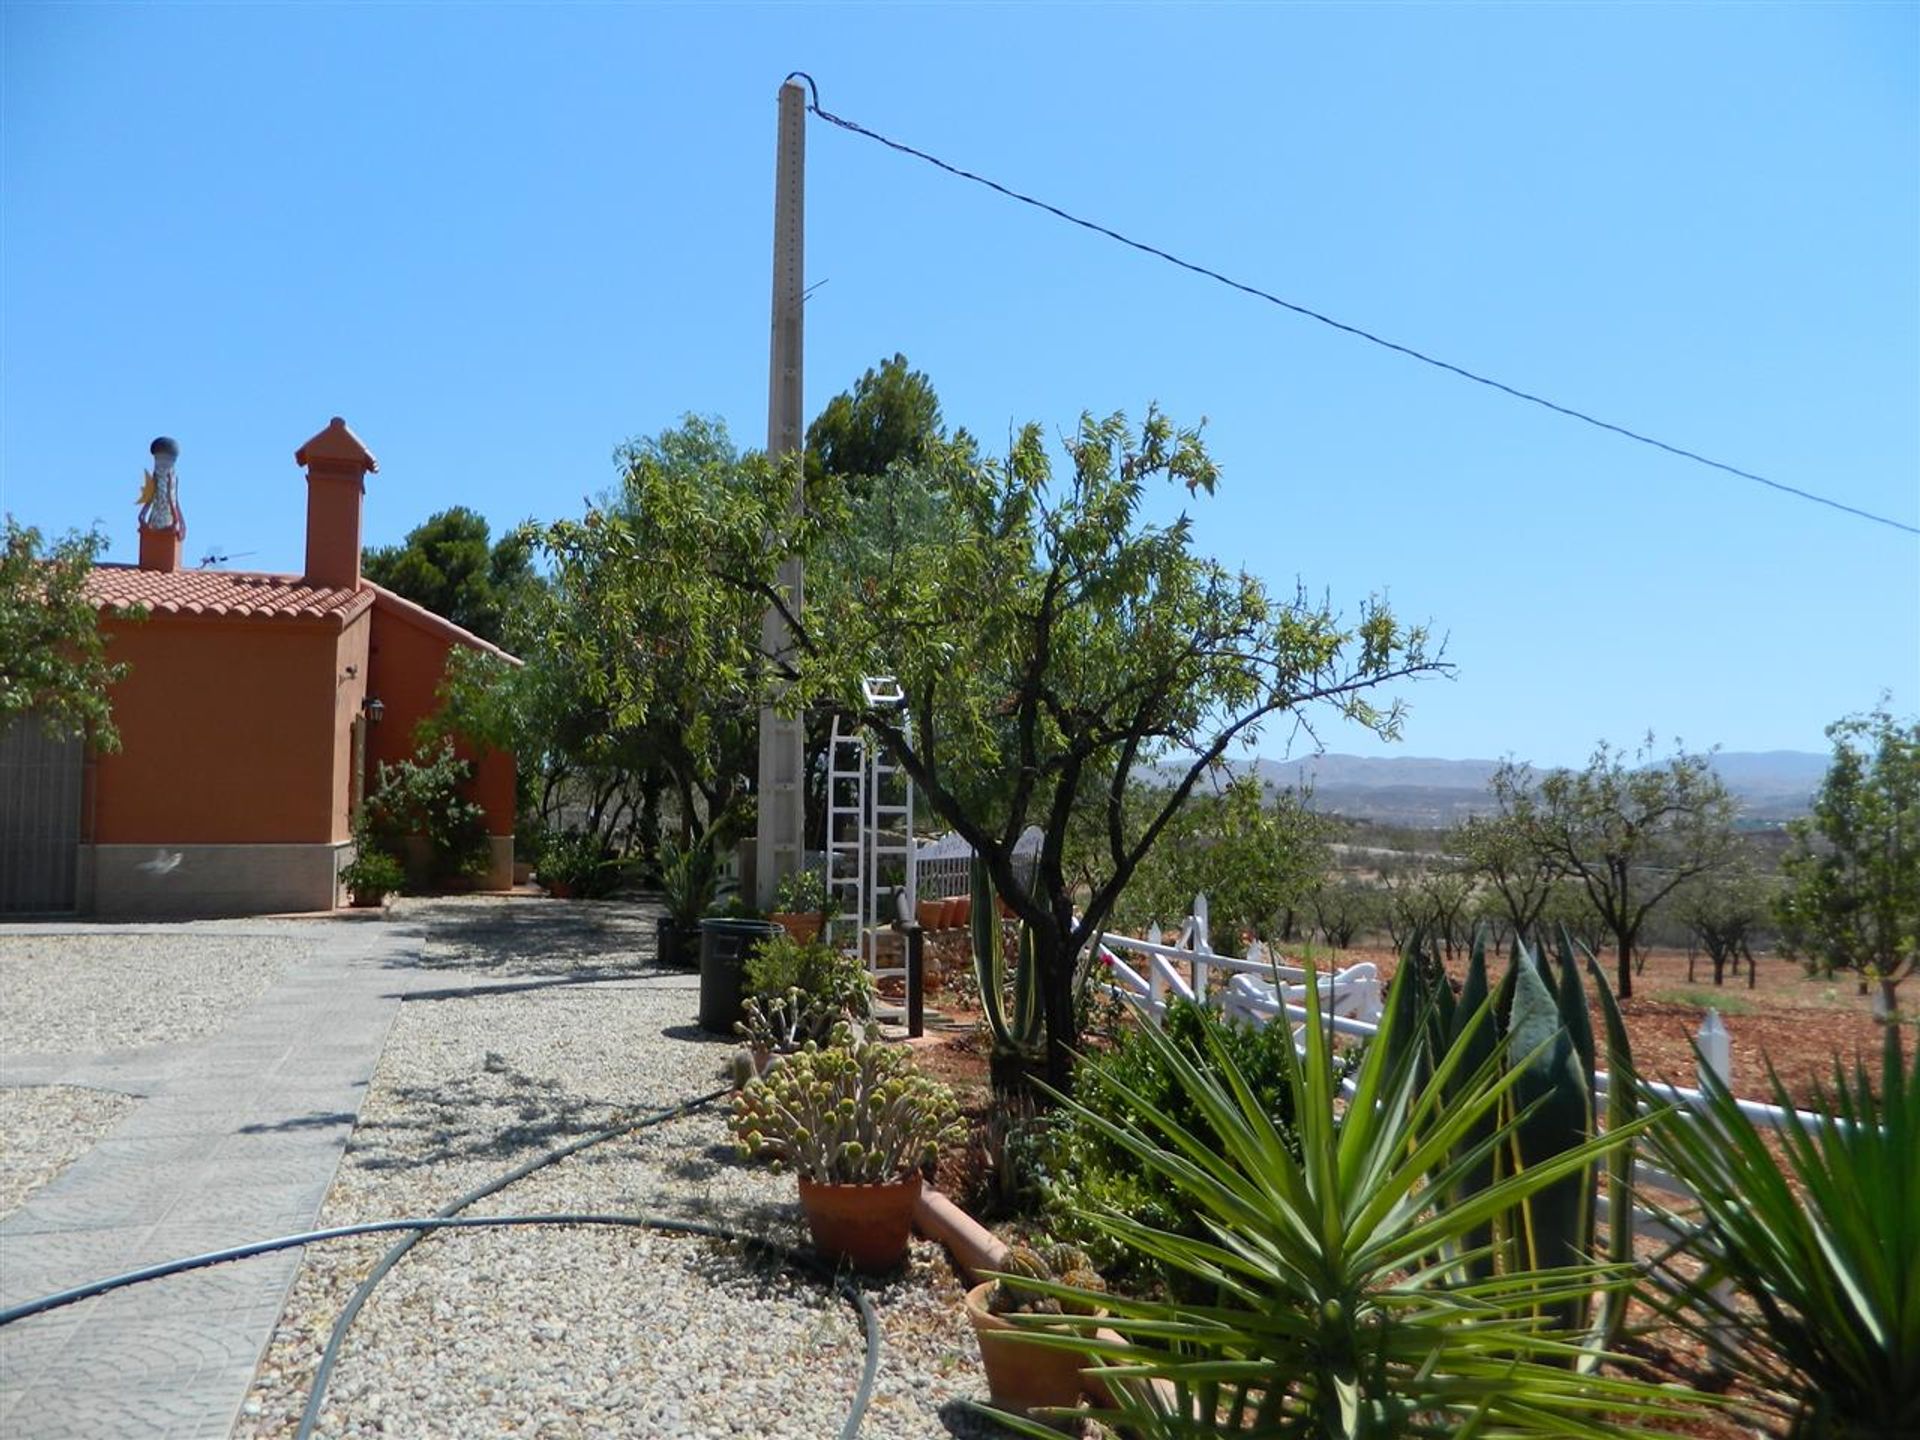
x,y
1056,1265
1019,1038
853,1113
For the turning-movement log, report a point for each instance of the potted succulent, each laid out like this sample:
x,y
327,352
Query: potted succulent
x,y
371,876
1022,1376
855,1122
800,904
799,992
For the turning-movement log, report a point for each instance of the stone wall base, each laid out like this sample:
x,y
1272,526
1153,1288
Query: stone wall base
x,y
178,881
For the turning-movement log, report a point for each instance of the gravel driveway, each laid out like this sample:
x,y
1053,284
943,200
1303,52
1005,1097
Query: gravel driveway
x,y
550,1024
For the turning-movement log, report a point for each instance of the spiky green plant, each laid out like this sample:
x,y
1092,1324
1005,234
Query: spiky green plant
x,y
1334,1317
1021,1035
1819,1240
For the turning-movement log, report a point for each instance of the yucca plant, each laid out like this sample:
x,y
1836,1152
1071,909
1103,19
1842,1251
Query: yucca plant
x,y
1818,1239
1344,1308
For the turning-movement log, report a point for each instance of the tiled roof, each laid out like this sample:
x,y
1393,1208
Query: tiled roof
x,y
224,592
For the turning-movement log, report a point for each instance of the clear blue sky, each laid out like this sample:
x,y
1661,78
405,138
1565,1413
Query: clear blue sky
x,y
500,240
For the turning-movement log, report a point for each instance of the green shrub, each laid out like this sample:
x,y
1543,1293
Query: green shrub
x,y
373,872
583,861
799,990
1084,1172
422,797
802,892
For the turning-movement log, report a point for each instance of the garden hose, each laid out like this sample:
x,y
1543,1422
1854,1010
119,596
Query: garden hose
x,y
448,1219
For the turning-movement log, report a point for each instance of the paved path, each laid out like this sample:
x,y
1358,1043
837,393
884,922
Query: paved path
x,y
236,1139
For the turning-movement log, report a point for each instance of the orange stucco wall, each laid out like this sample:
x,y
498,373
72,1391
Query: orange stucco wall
x,y
407,664
230,733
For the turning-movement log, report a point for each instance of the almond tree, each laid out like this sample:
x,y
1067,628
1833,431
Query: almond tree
x,y
1853,877
1630,830
1054,647
53,658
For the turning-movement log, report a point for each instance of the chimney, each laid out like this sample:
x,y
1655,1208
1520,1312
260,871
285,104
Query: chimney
x,y
162,526
337,465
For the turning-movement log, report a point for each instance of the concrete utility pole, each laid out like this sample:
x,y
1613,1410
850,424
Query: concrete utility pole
x,y
778,848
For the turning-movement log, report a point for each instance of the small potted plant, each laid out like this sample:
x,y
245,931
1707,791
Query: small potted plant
x,y
800,904
575,865
371,876
1022,1376
689,882
800,992
855,1122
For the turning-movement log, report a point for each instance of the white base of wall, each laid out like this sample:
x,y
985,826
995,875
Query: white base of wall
x,y
208,880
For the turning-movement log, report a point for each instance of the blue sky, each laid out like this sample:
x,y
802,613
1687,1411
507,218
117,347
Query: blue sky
x,y
499,240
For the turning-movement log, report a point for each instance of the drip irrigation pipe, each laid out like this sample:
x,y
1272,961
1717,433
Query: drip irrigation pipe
x,y
417,1228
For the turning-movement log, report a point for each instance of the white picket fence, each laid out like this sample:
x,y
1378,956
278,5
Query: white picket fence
x,y
1150,973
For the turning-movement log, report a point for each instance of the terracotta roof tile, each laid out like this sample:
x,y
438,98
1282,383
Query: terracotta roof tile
x,y
224,592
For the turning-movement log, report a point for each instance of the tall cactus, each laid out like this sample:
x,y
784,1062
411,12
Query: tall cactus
x,y
1021,1035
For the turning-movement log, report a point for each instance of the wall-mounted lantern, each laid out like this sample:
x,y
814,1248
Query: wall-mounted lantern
x,y
374,708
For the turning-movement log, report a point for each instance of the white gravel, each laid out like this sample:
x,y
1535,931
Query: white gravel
x,y
45,1128
575,1332
94,992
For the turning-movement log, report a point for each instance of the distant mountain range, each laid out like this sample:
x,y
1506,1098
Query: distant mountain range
x,y
1771,785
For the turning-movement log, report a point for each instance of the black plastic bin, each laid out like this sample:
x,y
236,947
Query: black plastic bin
x,y
724,947
674,946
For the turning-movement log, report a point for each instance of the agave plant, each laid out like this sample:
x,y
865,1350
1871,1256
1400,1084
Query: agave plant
x,y
1818,1241
1345,1306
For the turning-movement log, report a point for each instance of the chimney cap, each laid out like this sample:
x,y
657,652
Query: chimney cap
x,y
165,445
336,443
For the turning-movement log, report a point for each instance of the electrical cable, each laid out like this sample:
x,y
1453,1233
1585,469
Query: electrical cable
x,y
331,1355
448,1218
1356,331
801,1259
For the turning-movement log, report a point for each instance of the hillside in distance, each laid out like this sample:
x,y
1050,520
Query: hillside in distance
x,y
1771,786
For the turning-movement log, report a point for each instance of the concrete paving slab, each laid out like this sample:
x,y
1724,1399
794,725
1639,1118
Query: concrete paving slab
x,y
237,1140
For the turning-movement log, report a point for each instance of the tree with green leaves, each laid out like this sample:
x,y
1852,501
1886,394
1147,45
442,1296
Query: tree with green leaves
x,y
53,657
451,564
1630,829
1052,645
1496,851
1723,913
1256,855
1852,893
890,416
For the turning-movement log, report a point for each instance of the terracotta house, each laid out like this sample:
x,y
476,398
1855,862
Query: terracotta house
x,y
254,712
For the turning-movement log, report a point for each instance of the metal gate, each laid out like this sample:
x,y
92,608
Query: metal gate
x,y
40,787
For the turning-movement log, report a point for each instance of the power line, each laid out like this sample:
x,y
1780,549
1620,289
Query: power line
x,y
1311,314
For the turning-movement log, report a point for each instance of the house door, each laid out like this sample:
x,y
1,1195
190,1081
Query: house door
x,y
40,788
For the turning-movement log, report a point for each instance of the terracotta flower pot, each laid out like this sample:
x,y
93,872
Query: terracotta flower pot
x,y
804,927
560,889
959,912
932,914
866,1225
1021,1376
367,899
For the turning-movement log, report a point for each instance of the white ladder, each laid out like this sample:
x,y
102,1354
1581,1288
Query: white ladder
x,y
868,796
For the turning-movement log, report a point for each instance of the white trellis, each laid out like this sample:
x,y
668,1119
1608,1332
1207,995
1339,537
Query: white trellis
x,y
869,826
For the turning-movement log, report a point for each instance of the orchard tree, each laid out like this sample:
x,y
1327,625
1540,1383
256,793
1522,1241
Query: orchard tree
x,y
1630,829
1256,856
451,564
1852,894
53,658
1053,647
1496,850
1723,913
